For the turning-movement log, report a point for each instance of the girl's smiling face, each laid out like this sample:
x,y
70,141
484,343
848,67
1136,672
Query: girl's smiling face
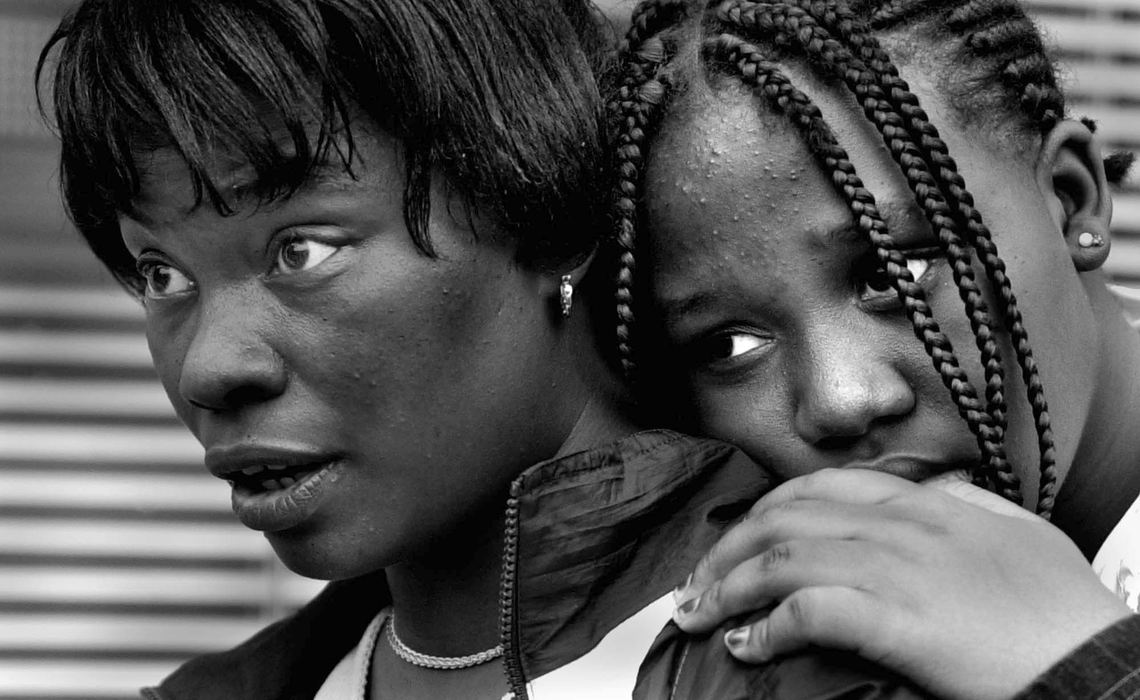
x,y
785,336
309,340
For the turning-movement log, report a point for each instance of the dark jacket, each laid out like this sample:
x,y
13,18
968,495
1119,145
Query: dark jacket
x,y
1103,668
590,540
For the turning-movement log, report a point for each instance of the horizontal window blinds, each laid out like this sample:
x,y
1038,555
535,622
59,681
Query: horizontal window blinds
x,y
118,555
1099,42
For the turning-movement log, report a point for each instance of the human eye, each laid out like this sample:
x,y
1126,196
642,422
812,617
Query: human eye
x,y
298,252
874,284
726,349
163,280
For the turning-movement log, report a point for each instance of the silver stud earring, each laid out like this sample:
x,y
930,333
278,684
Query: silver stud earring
x,y
1090,240
566,295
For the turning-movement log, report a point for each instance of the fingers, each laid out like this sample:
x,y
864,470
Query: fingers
x,y
750,536
954,485
799,519
856,486
779,571
832,617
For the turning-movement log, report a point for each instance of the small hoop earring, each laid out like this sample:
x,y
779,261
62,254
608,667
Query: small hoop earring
x,y
1090,240
566,295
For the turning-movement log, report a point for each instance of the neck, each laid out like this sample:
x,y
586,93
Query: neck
x,y
447,602
1104,479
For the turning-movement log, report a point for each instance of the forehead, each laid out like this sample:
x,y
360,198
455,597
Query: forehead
x,y
731,185
166,189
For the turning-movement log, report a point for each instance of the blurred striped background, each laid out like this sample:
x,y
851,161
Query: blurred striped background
x,y
118,555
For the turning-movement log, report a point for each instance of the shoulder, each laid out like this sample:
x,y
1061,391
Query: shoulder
x,y
697,667
309,643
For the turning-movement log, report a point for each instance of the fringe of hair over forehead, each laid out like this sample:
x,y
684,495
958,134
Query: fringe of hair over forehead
x,y
497,95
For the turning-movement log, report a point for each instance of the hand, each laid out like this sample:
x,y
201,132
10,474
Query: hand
x,y
967,595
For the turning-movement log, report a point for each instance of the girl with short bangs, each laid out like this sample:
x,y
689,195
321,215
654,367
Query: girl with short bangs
x,y
814,195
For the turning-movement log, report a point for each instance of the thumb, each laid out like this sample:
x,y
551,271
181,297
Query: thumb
x,y
957,484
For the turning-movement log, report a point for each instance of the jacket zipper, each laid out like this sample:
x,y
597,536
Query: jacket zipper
x,y
508,598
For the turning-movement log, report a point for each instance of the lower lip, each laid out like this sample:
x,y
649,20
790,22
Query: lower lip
x,y
915,471
281,509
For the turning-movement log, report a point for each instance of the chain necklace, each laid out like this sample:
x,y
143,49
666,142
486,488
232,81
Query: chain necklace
x,y
440,663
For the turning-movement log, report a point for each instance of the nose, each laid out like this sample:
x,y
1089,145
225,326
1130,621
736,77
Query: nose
x,y
847,387
229,364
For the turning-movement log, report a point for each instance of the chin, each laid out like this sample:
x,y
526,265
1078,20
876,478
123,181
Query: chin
x,y
330,557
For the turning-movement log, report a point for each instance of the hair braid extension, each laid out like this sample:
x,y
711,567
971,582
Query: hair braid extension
x,y
935,151
1117,165
1007,25
1000,31
889,14
997,30
793,25
639,94
768,81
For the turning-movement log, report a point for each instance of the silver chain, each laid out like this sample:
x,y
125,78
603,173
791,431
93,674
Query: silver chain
x,y
440,663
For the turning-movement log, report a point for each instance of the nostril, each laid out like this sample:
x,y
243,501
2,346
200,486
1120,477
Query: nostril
x,y
837,443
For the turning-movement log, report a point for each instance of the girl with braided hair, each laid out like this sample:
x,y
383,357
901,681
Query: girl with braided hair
x,y
815,194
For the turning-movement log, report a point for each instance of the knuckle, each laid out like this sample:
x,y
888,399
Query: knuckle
x,y
774,557
767,520
801,611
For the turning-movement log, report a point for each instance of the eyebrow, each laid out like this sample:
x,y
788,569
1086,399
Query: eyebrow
x,y
678,307
242,184
897,216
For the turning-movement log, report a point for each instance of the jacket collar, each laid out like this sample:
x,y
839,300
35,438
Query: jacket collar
x,y
591,538
603,534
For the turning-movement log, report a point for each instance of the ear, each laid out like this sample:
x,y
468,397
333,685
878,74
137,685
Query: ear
x,y
1070,174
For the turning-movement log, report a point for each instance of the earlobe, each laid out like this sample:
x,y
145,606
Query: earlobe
x,y
563,293
1070,171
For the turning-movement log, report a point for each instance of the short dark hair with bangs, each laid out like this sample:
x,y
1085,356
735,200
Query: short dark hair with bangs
x,y
497,95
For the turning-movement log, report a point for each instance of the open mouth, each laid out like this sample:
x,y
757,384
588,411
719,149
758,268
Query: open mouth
x,y
272,477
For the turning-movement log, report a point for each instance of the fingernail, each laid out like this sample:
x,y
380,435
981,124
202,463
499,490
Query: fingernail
x,y
679,591
734,639
689,606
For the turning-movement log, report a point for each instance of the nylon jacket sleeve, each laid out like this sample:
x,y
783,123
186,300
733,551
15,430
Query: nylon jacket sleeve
x,y
698,667
1106,667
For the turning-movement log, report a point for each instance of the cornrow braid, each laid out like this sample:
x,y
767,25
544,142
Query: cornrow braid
x,y
767,81
640,92
999,33
789,25
1010,22
996,42
887,14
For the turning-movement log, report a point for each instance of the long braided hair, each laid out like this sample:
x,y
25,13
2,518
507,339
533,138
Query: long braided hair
x,y
1003,61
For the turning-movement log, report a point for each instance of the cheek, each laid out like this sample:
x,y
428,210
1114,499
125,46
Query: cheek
x,y
755,417
168,343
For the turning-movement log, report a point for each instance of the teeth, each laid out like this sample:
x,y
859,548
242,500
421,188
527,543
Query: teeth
x,y
286,481
277,467
270,485
250,471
